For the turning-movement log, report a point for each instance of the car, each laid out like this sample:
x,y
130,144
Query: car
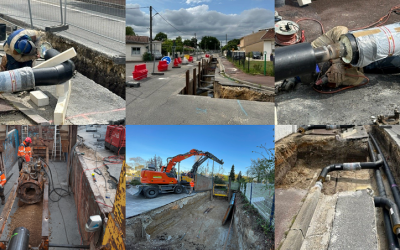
x,y
256,55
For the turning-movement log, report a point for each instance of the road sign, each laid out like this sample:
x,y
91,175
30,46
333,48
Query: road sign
x,y
166,58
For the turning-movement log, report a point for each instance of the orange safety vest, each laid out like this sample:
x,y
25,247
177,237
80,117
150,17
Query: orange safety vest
x,y
23,150
192,184
2,179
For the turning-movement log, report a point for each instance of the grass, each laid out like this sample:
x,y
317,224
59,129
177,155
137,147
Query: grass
x,y
135,182
261,222
255,67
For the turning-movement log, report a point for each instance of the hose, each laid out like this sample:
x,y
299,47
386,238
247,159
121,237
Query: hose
x,y
304,128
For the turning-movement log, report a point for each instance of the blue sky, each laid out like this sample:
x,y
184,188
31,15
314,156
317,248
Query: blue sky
x,y
232,143
205,18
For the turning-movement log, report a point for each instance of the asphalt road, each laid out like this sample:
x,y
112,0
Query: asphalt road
x,y
98,27
157,101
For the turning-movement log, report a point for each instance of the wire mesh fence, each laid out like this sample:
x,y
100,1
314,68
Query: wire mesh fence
x,y
98,21
262,196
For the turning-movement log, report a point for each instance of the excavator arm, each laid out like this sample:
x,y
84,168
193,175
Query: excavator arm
x,y
207,156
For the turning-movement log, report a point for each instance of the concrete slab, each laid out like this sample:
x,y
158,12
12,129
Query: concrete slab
x,y
136,205
354,226
63,217
287,204
394,132
157,101
90,139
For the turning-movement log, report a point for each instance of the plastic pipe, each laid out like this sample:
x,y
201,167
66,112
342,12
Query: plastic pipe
x,y
19,239
350,167
304,128
394,212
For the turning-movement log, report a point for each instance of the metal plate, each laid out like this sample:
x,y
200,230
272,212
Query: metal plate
x,y
203,183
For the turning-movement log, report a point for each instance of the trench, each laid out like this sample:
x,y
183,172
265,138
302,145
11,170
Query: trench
x,y
183,224
299,161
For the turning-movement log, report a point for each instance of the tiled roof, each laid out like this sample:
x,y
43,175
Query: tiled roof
x,y
269,35
137,39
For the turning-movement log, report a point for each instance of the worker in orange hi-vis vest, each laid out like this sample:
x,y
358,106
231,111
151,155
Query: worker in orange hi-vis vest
x,y
191,186
24,149
2,183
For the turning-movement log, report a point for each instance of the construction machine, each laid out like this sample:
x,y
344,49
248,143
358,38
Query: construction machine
x,y
165,180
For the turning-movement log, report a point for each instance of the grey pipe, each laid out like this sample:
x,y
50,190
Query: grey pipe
x,y
302,129
394,212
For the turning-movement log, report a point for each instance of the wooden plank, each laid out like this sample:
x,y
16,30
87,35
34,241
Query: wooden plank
x,y
61,108
7,207
29,112
60,58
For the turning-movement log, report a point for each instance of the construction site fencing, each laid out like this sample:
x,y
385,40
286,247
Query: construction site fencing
x,y
98,21
262,196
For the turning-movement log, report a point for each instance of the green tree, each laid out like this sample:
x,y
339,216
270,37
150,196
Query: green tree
x,y
129,31
231,44
263,169
209,42
232,174
239,177
179,44
161,37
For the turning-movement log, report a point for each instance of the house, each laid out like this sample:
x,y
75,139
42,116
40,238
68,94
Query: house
x,y
136,46
263,40
269,43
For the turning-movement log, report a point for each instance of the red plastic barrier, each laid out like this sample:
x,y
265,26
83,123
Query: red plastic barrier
x,y
162,66
179,60
140,72
207,55
190,58
176,62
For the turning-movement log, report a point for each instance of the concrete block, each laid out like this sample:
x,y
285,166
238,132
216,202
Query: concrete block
x,y
39,98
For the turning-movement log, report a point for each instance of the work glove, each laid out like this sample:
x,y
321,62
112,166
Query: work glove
x,y
336,73
3,65
330,37
341,74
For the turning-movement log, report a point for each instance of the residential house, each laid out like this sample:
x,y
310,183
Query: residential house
x,y
262,40
136,46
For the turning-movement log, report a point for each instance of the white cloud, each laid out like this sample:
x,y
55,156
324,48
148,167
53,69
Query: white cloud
x,y
196,1
202,21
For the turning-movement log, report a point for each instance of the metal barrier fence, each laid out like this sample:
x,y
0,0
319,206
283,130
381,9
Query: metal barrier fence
x,y
99,21
263,198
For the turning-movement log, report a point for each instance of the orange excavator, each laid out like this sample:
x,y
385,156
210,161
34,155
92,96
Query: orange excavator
x,y
165,180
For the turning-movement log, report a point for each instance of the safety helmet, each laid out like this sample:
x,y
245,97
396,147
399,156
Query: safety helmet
x,y
28,139
26,47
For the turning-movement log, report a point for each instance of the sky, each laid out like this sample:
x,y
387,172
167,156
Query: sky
x,y
236,18
231,143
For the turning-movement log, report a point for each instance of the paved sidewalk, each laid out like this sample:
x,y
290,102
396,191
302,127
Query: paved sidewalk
x,y
231,70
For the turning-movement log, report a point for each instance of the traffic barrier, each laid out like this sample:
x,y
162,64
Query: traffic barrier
x,y
207,55
140,72
190,58
176,63
162,66
179,60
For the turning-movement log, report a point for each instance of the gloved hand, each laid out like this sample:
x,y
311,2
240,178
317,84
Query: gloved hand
x,y
336,73
330,37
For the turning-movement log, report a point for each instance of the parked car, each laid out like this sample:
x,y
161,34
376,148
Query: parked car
x,y
256,55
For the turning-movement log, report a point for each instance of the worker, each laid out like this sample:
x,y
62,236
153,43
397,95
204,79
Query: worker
x,y
23,150
2,183
21,48
191,186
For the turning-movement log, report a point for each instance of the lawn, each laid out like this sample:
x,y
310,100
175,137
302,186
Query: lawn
x,y
254,67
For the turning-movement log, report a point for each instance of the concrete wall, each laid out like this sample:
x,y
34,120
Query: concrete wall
x,y
269,46
282,131
10,146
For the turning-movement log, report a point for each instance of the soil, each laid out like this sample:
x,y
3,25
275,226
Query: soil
x,y
242,93
30,217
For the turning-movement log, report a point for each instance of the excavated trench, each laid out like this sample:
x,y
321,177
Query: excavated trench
x,y
299,161
183,224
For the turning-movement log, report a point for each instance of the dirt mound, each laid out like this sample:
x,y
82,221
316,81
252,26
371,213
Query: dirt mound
x,y
241,93
30,217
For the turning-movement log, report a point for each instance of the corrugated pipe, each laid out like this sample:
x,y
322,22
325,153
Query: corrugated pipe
x,y
27,78
393,244
350,167
304,128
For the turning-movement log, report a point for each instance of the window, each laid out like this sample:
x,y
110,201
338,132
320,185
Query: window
x,y
135,51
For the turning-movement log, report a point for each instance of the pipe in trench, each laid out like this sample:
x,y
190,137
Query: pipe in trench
x,y
27,78
394,212
304,128
390,235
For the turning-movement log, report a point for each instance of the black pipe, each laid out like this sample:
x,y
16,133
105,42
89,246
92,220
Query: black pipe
x,y
391,237
54,75
394,212
302,129
392,182
350,167
70,246
19,239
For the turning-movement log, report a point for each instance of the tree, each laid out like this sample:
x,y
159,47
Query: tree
x,y
156,161
263,169
129,31
161,37
239,177
135,165
232,174
231,44
209,42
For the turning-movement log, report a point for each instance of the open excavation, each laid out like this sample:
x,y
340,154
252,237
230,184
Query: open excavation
x,y
61,191
339,184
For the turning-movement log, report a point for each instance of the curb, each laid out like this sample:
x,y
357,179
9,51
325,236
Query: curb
x,y
222,71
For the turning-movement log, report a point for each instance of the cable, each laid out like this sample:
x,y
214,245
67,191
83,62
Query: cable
x,y
382,20
348,87
170,23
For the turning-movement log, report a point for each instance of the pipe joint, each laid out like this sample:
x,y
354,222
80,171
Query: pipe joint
x,y
352,166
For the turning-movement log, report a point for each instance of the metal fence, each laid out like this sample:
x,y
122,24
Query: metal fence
x,y
99,21
263,198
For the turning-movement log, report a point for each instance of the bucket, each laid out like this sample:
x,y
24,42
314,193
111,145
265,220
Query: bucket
x,y
3,29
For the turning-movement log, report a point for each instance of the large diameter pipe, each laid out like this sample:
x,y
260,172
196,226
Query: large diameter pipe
x,y
17,80
19,239
304,128
394,212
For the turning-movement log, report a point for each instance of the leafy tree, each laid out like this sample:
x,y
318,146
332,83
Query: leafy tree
x,y
263,169
231,44
239,177
209,42
161,36
232,174
218,179
129,31
156,161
